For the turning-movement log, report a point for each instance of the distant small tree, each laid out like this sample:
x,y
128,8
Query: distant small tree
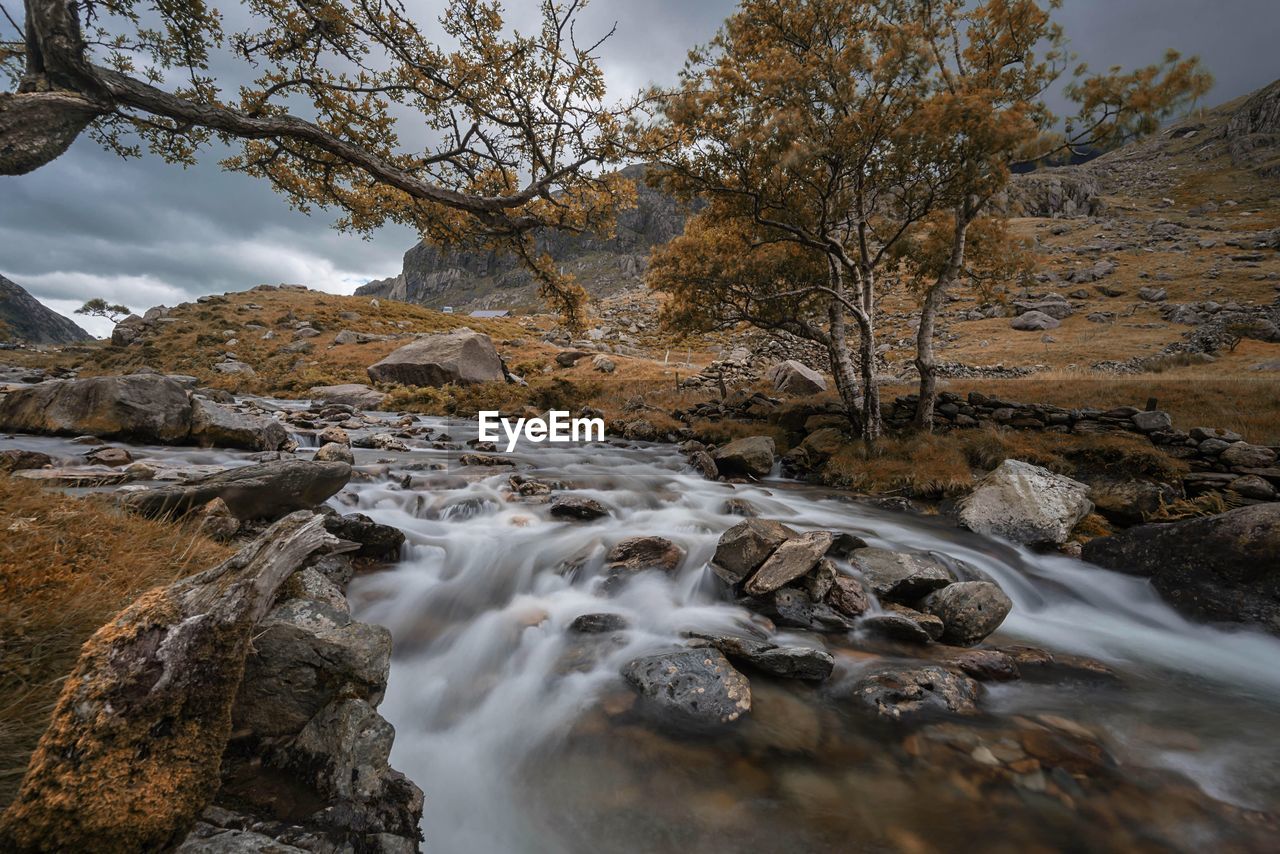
x,y
98,307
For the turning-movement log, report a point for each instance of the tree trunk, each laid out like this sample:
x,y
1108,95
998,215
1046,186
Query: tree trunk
x,y
842,368
872,426
926,363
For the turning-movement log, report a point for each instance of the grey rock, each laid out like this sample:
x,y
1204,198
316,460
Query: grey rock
x,y
332,452
1220,567
308,654
751,456
796,378
742,548
213,424
577,508
1034,321
1148,422
351,394
461,357
969,610
145,408
691,686
791,559
900,576
261,491
1244,455
377,541
905,692
1026,504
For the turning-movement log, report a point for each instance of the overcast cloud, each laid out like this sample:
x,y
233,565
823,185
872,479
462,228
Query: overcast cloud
x,y
142,233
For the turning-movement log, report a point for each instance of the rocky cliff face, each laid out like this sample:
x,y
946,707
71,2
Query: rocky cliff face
x,y
24,319
473,279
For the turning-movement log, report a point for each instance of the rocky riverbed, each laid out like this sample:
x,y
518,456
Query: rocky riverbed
x,y
598,649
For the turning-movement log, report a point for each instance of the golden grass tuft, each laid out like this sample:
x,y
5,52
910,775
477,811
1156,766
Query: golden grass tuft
x,y
68,564
941,465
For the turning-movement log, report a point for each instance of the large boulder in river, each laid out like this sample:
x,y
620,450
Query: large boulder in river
x,y
1224,567
792,377
900,576
139,407
462,357
969,610
792,559
213,424
691,686
262,491
1025,503
745,546
306,654
351,394
751,456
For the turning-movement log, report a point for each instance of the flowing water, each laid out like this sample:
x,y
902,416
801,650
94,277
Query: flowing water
x,y
524,738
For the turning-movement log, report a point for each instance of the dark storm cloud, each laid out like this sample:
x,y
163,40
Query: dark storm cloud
x,y
142,232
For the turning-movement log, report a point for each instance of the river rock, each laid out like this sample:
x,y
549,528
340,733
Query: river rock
x,y
261,491
792,558
577,508
215,425
132,754
786,662
900,576
691,686
1220,567
637,554
792,377
1025,503
147,408
969,610
461,357
745,546
895,627
595,624
848,596
108,456
905,692
751,457
377,541
14,459
351,394
308,653
342,759
332,452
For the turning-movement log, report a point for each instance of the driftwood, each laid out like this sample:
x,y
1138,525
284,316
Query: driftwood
x,y
132,755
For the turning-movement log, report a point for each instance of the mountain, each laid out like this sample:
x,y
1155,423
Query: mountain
x,y
477,280
23,318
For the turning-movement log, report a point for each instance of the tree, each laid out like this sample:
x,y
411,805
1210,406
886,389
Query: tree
x,y
842,128
517,122
98,307
992,64
791,124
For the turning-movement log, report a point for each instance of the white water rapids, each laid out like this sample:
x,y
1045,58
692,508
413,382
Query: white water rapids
x,y
489,691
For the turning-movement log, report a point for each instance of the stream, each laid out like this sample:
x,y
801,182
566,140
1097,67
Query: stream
x,y
524,737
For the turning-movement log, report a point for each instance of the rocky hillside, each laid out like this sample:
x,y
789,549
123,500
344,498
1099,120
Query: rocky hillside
x,y
474,280
23,319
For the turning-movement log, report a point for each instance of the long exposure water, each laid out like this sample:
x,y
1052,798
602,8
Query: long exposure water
x,y
507,720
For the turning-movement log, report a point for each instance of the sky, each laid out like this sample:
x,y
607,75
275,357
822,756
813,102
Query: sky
x,y
143,233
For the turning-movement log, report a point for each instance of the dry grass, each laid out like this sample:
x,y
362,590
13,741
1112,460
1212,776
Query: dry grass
x,y
1250,405
67,565
942,465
